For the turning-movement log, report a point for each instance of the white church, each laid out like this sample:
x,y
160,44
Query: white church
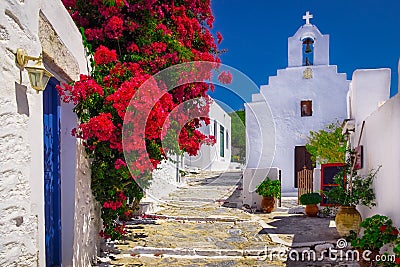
x,y
307,95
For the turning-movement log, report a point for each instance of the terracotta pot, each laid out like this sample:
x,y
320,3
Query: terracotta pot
x,y
268,204
312,210
370,260
347,219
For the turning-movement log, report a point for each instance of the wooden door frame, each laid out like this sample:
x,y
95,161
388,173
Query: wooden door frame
x,y
306,162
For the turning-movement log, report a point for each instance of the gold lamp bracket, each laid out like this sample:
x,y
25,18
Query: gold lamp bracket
x,y
23,58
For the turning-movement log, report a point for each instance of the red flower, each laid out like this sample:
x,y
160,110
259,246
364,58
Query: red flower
x,y
164,29
80,91
94,34
69,3
132,48
100,127
119,163
113,29
395,231
149,36
219,37
397,261
225,77
382,228
103,55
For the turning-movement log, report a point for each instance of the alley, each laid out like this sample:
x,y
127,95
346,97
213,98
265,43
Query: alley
x,y
203,224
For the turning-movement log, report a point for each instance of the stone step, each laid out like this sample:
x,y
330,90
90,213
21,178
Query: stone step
x,y
203,252
211,218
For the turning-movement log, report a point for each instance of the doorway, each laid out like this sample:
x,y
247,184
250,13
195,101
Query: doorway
x,y
301,158
52,181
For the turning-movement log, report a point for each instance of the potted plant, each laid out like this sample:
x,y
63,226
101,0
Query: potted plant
x,y
311,200
357,190
376,231
269,190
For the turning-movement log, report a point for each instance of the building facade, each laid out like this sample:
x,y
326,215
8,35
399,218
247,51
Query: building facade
x,y
306,96
218,156
48,214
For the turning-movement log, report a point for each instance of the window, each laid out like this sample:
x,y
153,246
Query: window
x,y
227,140
308,51
306,108
221,141
215,129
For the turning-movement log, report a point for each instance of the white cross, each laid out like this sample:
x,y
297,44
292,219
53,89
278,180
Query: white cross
x,y
307,17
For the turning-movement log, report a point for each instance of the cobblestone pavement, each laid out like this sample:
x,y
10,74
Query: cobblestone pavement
x,y
203,224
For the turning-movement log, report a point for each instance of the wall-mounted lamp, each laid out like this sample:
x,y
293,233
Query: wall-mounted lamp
x,y
348,126
38,75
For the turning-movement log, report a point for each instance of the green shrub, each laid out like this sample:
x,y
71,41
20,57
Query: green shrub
x,y
310,198
269,188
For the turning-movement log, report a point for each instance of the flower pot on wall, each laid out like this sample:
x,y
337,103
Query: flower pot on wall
x,y
347,219
268,204
311,210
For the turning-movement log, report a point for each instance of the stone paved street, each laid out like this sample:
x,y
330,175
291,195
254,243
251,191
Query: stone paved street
x,y
203,224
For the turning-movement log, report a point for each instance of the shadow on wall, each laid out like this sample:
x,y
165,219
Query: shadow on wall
x,y
22,99
87,215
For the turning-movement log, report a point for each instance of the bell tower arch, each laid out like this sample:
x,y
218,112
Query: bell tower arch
x,y
308,46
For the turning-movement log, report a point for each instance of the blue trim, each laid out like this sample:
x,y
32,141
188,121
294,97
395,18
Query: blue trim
x,y
52,181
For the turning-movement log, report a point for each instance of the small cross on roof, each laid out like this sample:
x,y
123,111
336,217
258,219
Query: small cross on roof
x,y
307,17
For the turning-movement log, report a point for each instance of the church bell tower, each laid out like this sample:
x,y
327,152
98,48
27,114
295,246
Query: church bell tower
x,y
308,47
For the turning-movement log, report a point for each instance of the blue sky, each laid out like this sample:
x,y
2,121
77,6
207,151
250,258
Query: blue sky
x,y
364,34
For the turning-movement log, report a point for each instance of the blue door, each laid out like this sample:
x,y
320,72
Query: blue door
x,y
52,185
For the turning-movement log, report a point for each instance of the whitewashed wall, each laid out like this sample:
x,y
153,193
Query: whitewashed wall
x,y
209,157
382,147
368,90
260,135
165,179
86,218
380,139
37,26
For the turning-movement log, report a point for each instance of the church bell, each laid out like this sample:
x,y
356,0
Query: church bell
x,y
308,48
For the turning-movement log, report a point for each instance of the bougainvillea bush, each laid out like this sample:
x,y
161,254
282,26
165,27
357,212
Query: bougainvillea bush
x,y
129,41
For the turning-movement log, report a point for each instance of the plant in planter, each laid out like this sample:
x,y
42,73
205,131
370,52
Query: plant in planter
x,y
311,200
269,190
348,194
377,231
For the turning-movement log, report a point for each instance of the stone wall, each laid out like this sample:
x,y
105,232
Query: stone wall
x,y
19,220
20,206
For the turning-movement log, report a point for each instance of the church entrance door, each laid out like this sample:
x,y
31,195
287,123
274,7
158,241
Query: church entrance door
x,y
301,158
